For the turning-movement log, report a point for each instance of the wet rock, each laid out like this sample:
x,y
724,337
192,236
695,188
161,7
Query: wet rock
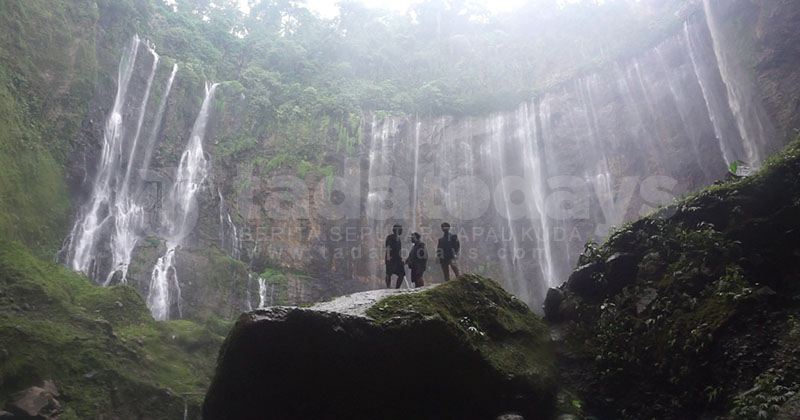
x,y
50,387
790,409
552,302
568,310
646,297
464,349
584,281
36,402
765,293
621,269
510,417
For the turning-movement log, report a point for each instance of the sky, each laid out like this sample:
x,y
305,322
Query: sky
x,y
328,9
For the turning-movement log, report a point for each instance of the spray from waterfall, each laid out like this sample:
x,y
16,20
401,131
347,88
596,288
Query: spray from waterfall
x,y
128,212
110,220
81,244
179,213
749,117
414,203
262,293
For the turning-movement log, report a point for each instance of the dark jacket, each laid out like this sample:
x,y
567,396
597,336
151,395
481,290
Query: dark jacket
x,y
448,247
418,257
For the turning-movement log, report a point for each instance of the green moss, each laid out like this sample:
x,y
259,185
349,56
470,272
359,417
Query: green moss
x,y
100,345
511,337
670,343
47,74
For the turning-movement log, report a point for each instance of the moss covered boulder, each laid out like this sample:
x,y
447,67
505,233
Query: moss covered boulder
x,y
464,349
694,311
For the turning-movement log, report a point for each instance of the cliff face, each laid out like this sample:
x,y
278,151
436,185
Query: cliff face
x,y
605,148
465,349
525,188
691,312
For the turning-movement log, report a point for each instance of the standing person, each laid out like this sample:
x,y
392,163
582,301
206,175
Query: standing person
x,y
417,260
394,262
447,251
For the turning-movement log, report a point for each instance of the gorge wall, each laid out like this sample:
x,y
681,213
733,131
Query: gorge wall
x,y
524,189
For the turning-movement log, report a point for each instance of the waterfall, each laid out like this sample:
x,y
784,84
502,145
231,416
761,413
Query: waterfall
x,y
749,116
262,293
535,175
379,195
163,279
228,234
248,295
162,106
712,105
414,204
128,213
110,220
177,219
81,244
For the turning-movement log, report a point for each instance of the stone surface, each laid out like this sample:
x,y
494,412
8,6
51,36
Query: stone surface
x,y
621,269
552,302
465,349
585,281
36,402
790,409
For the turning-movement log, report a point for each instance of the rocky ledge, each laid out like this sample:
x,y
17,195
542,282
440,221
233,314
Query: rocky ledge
x,y
464,349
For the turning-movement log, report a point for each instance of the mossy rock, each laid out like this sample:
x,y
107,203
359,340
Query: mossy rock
x,y
464,349
705,295
100,346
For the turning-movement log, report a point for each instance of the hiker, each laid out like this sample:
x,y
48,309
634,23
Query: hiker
x,y
394,262
417,260
447,251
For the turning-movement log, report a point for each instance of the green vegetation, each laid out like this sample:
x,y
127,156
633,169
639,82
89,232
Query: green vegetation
x,y
698,317
300,84
100,345
47,69
511,337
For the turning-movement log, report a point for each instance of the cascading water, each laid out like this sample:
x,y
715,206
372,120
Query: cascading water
x,y
584,156
749,116
111,220
179,214
162,106
82,242
415,192
229,234
262,293
128,213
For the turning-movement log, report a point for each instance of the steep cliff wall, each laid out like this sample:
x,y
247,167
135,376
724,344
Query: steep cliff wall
x,y
599,150
47,74
525,189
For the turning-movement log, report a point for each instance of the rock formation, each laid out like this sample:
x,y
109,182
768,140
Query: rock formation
x,y
464,349
691,312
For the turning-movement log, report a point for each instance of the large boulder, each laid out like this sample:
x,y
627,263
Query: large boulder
x,y
36,402
464,349
586,281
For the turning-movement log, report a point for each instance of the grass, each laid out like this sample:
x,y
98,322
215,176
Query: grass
x,y
100,345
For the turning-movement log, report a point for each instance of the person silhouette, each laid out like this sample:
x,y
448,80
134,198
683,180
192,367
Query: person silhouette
x,y
394,262
447,251
417,259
